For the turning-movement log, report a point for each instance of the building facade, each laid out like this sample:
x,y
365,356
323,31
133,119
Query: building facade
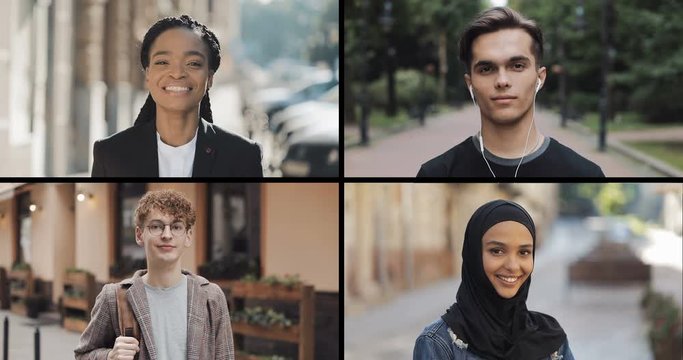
x,y
402,236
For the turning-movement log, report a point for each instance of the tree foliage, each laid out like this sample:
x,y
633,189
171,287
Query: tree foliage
x,y
647,59
414,34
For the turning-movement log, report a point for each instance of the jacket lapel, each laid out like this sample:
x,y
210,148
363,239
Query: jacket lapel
x,y
196,316
205,152
147,158
137,297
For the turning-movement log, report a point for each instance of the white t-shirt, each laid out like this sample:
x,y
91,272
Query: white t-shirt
x,y
176,161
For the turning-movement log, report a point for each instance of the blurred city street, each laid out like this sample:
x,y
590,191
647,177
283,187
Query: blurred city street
x,y
601,322
402,154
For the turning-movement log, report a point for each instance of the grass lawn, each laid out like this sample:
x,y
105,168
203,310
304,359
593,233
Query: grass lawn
x,y
669,152
621,122
378,118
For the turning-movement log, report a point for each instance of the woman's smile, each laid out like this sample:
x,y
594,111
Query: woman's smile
x,y
508,280
177,90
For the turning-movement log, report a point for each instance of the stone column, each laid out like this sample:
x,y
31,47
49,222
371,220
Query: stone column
x,y
41,46
91,89
6,150
118,70
20,90
61,130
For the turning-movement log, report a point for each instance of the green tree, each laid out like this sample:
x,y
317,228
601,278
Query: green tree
x,y
422,31
442,22
647,58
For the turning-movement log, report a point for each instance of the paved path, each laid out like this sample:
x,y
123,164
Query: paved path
x,y
403,153
663,134
55,342
601,322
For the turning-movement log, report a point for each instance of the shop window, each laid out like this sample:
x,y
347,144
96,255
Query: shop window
x,y
129,256
234,231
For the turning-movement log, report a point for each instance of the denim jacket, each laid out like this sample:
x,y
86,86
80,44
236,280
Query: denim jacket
x,y
436,342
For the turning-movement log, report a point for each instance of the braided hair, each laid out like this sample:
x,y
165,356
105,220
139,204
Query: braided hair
x,y
149,109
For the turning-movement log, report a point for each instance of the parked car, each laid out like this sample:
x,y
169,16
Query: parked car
x,y
313,152
309,92
328,100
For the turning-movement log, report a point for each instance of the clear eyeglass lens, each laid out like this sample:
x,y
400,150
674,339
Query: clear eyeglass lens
x,y
157,228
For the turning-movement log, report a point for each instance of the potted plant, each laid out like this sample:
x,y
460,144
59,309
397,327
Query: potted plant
x,y
666,326
79,289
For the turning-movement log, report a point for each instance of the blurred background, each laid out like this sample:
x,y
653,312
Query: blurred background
x,y
59,243
612,91
70,74
608,263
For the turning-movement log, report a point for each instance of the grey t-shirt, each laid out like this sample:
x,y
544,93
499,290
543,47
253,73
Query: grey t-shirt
x,y
168,309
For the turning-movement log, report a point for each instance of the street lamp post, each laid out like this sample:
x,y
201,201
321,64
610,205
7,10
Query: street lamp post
x,y
364,104
607,54
387,22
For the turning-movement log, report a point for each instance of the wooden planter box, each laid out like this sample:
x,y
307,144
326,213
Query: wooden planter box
x,y
76,303
242,356
609,263
289,334
80,306
265,292
18,295
302,333
669,348
4,289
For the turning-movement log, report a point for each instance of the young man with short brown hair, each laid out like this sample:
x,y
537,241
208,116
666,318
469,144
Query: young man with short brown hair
x,y
180,315
503,51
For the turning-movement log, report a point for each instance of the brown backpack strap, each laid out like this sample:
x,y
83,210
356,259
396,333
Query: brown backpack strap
x,y
128,326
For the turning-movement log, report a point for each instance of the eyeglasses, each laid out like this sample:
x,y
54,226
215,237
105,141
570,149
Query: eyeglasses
x,y
156,228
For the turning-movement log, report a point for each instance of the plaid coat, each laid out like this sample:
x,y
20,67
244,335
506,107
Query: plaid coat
x,y
209,334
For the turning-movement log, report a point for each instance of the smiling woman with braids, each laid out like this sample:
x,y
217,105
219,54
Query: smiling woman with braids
x,y
174,134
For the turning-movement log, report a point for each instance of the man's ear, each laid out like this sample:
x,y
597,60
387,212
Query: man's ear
x,y
138,236
468,80
188,239
542,73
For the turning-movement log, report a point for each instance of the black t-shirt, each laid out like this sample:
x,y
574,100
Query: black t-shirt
x,y
552,159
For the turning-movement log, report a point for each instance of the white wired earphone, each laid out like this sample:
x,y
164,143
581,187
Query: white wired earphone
x,y
526,143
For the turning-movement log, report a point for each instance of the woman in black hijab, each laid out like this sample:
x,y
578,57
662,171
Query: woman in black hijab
x,y
489,319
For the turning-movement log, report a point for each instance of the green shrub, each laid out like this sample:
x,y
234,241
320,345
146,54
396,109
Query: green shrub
x,y
412,89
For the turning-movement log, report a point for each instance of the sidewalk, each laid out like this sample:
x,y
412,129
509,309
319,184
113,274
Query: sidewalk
x,y
55,342
600,322
402,154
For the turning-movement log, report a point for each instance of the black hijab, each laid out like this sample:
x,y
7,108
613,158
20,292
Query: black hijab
x,y
492,326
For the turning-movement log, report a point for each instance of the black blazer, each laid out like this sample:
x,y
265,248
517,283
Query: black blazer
x,y
133,152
